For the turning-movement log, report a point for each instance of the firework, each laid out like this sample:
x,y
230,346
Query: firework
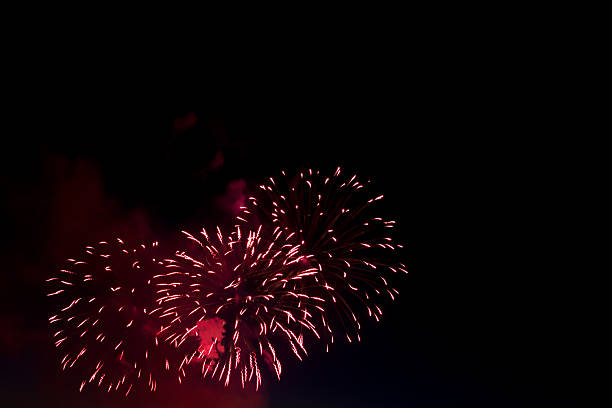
x,y
103,327
330,218
236,294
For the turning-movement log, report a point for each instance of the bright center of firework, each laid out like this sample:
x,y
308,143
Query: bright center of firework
x,y
211,334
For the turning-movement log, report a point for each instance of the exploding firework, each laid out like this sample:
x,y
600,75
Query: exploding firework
x,y
236,293
103,328
312,257
349,247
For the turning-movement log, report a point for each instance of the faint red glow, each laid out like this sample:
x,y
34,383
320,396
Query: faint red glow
x,y
184,123
234,198
217,161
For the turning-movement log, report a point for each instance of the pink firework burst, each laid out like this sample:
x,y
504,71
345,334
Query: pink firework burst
x,y
331,218
237,294
103,326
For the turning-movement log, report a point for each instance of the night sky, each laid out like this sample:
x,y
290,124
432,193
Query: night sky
x,y
489,314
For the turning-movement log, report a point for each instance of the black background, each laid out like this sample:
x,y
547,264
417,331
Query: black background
x,y
491,313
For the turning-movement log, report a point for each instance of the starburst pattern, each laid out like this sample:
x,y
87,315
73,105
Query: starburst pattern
x,y
103,327
247,282
307,258
331,218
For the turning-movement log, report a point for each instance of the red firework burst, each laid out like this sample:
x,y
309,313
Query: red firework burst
x,y
103,326
331,218
245,284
